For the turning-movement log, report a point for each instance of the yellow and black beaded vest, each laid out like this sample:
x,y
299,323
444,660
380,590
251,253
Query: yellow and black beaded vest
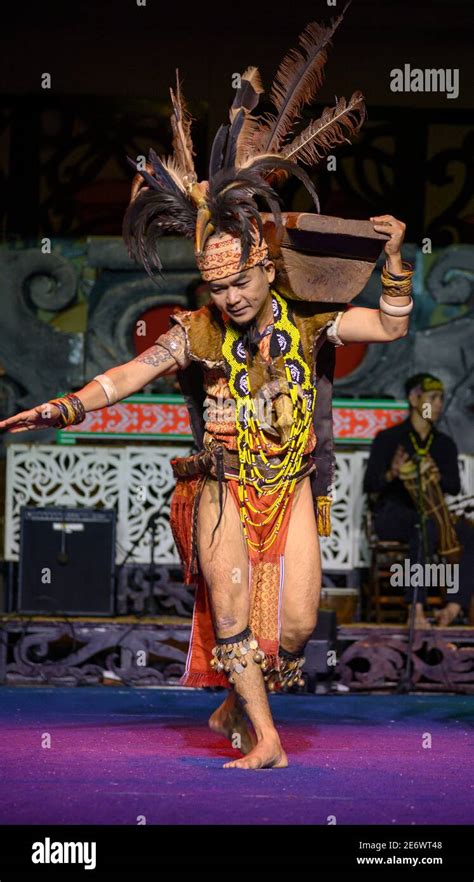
x,y
205,332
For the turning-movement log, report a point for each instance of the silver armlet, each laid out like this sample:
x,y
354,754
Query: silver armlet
x,y
109,388
394,310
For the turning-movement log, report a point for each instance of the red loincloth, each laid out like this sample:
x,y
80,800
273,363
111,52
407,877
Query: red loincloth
x,y
266,574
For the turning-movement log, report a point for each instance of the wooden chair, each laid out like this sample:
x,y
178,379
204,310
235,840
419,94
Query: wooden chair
x,y
381,595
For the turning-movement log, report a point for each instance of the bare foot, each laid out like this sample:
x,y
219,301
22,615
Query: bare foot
x,y
445,616
229,720
268,754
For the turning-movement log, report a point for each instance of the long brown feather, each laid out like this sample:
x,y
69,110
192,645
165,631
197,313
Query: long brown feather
x,y
181,120
297,81
335,125
246,145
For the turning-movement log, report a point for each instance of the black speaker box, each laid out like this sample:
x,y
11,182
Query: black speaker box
x,y
322,640
67,561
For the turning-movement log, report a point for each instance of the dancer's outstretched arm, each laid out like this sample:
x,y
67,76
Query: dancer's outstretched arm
x,y
120,382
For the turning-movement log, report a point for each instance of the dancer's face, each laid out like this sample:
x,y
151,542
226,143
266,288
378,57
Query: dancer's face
x,y
243,295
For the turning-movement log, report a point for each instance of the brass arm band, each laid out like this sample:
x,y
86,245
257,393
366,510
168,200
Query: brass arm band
x,y
398,284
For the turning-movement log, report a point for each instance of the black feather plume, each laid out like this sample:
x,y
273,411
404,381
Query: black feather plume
x,y
147,177
267,163
151,215
232,139
231,200
217,150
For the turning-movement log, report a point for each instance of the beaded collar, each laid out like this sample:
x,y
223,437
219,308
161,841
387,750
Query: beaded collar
x,y
250,438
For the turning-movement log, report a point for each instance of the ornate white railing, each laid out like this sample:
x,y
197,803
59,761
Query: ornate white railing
x,y
137,480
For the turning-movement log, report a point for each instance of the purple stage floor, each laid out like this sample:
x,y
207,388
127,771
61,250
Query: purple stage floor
x,y
120,753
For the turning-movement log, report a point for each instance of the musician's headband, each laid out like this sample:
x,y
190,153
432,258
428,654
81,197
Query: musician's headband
x,y
428,384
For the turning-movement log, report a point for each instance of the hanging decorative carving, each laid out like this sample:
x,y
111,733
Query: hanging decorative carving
x,y
442,659
75,653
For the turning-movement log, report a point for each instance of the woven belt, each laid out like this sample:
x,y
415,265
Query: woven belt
x,y
202,463
220,462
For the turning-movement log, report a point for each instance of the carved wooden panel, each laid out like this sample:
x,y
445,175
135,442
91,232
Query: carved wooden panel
x,y
138,482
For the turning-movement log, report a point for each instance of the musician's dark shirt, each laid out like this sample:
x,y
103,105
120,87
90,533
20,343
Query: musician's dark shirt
x,y
443,451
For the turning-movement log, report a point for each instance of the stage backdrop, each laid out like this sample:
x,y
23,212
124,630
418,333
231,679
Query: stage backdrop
x,y
86,307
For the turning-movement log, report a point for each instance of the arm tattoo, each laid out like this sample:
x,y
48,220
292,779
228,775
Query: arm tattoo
x,y
155,356
170,346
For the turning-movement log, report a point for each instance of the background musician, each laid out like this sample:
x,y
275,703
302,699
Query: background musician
x,y
416,447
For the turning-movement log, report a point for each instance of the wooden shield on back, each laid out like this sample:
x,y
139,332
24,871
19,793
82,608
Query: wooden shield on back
x,y
322,258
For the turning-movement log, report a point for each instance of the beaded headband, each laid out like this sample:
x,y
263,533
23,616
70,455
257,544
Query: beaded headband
x,y
223,254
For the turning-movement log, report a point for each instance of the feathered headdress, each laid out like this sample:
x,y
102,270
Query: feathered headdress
x,y
249,156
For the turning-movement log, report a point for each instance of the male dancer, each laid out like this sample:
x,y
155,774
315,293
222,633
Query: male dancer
x,y
245,296
257,546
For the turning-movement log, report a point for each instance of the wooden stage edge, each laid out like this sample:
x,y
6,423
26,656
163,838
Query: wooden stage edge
x,y
184,621
144,651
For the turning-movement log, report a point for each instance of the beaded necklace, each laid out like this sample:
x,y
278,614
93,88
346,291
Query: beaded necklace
x,y
250,438
421,451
